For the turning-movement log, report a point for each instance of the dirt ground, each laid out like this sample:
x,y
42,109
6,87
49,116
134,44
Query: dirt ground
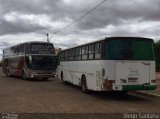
x,y
30,96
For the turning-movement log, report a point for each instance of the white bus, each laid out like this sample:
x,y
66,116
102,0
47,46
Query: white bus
x,y
110,64
34,59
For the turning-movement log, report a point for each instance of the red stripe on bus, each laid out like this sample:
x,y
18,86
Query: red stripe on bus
x,y
20,67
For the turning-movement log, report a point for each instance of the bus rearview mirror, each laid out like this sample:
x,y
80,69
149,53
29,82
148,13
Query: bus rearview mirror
x,y
30,59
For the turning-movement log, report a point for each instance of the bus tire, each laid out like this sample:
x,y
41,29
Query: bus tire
x,y
84,85
62,81
124,92
24,75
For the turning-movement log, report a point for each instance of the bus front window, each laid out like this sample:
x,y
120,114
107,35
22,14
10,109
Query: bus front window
x,y
129,49
42,63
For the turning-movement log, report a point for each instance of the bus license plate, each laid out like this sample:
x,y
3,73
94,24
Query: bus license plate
x,y
132,80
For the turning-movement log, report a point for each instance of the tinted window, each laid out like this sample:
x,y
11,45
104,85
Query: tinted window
x,y
71,54
27,48
91,51
85,52
129,49
77,53
42,62
41,48
20,49
98,50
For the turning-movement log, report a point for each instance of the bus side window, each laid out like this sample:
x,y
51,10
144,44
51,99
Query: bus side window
x,y
84,53
91,51
20,49
77,54
13,50
62,56
66,55
97,50
7,52
71,55
59,54
26,48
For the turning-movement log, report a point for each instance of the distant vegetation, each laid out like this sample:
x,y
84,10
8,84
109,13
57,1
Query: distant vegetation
x,y
157,55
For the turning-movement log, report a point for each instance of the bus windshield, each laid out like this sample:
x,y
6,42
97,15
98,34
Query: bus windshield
x,y
129,49
42,62
41,48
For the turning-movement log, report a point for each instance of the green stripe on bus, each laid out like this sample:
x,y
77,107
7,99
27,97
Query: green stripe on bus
x,y
138,87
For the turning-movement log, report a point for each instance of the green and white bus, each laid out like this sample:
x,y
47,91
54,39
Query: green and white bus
x,y
110,64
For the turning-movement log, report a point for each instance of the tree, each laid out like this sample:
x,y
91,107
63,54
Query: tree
x,y
157,54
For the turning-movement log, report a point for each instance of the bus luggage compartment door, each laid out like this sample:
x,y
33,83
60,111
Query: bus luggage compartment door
x,y
132,73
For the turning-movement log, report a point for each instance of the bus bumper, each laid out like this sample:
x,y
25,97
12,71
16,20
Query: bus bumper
x,y
113,87
138,87
52,75
42,76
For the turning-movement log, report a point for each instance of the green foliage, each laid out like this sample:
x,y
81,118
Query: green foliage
x,y
157,55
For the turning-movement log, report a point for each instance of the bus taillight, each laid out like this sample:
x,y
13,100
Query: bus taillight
x,y
108,84
111,81
153,81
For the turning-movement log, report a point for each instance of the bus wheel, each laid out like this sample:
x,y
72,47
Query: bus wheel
x,y
24,76
124,92
62,81
84,85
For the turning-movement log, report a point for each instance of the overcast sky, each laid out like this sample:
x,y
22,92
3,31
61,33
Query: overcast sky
x,y
30,20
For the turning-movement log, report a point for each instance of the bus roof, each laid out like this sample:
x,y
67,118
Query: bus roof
x,y
130,38
124,37
28,42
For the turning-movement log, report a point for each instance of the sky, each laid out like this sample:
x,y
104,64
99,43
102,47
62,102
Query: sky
x,y
31,20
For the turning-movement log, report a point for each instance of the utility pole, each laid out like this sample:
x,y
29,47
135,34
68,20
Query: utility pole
x,y
47,37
